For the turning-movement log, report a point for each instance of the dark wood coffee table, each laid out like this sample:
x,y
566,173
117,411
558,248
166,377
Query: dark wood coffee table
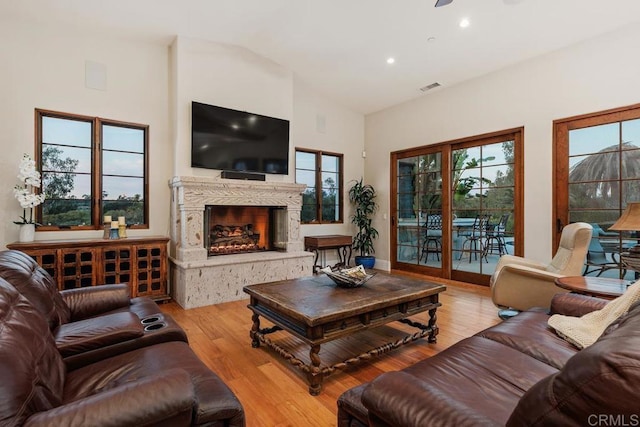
x,y
316,311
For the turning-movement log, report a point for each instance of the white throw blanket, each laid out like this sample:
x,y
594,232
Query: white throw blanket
x,y
584,331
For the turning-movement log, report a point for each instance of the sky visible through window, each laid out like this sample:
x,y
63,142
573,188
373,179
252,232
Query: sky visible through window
x,y
73,137
592,139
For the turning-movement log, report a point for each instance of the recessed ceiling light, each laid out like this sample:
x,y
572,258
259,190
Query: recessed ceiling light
x,y
390,60
464,23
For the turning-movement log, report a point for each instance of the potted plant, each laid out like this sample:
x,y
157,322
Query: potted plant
x,y
363,197
28,197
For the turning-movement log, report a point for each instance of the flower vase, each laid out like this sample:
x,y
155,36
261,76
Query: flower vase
x,y
27,232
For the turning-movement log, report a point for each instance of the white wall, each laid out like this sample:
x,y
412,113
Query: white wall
x,y
45,68
226,76
589,77
234,77
154,84
321,124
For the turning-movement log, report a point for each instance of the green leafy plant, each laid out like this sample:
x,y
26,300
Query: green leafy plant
x,y
363,197
461,163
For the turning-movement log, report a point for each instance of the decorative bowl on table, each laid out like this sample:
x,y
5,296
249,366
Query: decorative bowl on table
x,y
348,277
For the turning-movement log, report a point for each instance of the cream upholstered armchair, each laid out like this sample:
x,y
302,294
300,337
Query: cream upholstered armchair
x,y
519,283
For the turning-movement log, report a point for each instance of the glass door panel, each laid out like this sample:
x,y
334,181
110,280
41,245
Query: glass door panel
x,y
439,191
603,176
483,188
419,210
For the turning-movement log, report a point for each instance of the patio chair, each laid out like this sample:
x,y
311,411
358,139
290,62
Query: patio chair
x,y
495,237
597,260
433,237
473,243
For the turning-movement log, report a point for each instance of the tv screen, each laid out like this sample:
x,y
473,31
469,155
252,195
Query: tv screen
x,y
233,140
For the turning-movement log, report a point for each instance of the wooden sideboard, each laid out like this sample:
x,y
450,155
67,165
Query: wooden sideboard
x,y
139,261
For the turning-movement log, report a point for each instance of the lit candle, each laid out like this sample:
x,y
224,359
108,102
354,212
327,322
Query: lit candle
x,y
107,219
114,224
121,220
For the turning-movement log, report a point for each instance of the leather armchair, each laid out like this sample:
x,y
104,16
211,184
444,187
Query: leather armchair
x,y
89,324
163,384
519,283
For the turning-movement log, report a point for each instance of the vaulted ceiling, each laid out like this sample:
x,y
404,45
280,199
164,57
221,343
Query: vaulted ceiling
x,y
341,47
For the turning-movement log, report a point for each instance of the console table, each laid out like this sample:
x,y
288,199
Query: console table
x,y
318,244
139,261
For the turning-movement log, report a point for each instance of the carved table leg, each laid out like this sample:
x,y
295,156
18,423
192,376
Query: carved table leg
x,y
255,329
432,324
315,375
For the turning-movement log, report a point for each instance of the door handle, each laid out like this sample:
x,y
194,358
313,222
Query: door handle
x,y
559,225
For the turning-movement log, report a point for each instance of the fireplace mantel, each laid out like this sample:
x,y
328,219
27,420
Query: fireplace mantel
x,y
194,273
198,191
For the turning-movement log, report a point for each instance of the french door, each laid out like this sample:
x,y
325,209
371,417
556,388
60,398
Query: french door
x,y
597,172
457,206
421,212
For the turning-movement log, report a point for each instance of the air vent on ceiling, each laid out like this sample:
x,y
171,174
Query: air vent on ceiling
x,y
429,87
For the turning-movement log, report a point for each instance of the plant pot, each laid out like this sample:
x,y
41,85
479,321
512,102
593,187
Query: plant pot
x,y
27,232
367,261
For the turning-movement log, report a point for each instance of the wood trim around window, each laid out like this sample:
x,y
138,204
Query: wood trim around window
x,y
318,182
446,148
96,165
560,155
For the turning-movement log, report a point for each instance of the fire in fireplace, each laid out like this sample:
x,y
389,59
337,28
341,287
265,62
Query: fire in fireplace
x,y
242,229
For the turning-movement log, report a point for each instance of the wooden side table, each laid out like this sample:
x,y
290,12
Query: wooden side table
x,y
318,244
594,286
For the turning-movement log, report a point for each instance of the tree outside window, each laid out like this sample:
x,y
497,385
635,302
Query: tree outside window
x,y
91,167
322,173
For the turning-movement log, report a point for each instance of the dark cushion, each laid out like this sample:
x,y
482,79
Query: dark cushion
x,y
407,397
600,379
169,331
90,334
35,284
96,300
31,369
351,411
528,332
483,376
576,305
215,401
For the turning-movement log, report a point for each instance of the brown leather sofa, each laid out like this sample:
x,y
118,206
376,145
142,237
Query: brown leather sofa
x,y
517,373
93,356
89,324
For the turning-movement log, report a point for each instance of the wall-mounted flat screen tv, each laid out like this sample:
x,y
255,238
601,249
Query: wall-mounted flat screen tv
x,y
226,139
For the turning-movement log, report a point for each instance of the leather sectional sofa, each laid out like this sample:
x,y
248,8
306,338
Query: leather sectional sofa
x,y
517,373
93,356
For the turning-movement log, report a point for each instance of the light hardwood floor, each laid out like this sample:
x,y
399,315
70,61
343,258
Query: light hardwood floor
x,y
274,393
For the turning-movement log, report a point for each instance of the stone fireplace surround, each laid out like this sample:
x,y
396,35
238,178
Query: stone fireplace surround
x,y
198,280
